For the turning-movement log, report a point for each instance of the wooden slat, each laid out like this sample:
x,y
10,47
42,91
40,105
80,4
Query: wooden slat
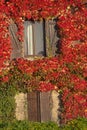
x,y
16,45
39,106
51,37
45,106
34,106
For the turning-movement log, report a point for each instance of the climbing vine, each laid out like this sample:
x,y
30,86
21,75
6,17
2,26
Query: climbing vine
x,y
66,73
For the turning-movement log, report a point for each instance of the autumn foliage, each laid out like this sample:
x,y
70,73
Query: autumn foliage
x,y
66,73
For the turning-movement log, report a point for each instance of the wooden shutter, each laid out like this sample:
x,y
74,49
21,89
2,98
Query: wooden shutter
x,y
34,106
16,45
45,106
39,106
52,39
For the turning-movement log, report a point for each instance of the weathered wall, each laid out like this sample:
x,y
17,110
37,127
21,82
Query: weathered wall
x,y
55,106
21,106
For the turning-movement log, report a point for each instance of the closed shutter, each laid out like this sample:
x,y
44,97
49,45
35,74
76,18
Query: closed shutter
x,y
39,108
45,106
34,106
16,45
52,38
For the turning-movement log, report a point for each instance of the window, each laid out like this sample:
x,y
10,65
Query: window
x,y
34,39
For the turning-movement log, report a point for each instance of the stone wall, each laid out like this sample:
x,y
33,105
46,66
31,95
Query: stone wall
x,y
21,106
55,106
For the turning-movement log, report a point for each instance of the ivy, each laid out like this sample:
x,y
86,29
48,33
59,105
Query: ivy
x,y
67,72
7,103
